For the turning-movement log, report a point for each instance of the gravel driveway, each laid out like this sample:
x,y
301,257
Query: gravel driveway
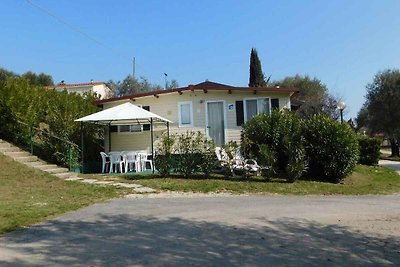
x,y
215,231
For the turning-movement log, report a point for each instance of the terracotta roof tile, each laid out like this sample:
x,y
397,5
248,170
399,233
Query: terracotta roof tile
x,y
73,85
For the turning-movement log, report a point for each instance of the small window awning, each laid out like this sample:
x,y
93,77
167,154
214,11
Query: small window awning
x,y
126,113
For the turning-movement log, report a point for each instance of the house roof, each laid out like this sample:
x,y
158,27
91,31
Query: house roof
x,y
73,85
204,86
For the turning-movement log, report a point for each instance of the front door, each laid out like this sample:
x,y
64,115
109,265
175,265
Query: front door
x,y
216,122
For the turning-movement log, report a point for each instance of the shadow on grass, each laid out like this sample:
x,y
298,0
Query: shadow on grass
x,y
123,240
257,179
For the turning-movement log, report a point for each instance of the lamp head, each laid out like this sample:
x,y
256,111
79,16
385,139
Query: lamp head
x,y
341,105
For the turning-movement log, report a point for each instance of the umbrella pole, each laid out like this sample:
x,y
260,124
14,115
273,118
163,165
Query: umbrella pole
x,y
82,146
168,129
152,146
109,137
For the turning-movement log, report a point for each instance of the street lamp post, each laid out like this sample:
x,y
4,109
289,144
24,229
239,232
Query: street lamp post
x,y
341,106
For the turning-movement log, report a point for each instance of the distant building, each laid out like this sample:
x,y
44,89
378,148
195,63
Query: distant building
x,y
98,88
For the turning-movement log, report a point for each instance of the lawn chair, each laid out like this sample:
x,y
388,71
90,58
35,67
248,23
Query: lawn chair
x,y
250,165
116,161
131,161
237,164
231,164
105,161
144,161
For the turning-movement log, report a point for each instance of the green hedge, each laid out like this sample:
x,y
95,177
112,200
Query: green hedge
x,y
275,141
369,150
331,147
51,111
320,147
186,154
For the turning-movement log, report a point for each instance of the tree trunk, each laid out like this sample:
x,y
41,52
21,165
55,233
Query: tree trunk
x,y
395,147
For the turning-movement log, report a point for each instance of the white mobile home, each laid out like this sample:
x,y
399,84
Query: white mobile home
x,y
217,110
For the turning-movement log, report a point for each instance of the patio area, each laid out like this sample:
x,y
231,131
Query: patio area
x,y
126,114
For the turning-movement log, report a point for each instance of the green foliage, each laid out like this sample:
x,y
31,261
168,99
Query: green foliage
x,y
369,150
41,79
208,159
331,147
163,154
313,94
381,110
131,85
297,163
33,79
256,75
268,159
186,154
50,111
273,141
189,147
327,150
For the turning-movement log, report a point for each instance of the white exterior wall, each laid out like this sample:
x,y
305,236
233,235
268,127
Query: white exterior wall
x,y
101,90
167,106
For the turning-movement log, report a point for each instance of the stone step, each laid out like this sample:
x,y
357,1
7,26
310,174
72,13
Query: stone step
x,y
36,164
4,145
56,170
26,159
65,175
46,167
9,149
17,154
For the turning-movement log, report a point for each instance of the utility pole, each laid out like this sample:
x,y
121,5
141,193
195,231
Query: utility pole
x,y
134,67
166,82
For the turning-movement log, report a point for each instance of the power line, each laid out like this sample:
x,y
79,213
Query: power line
x,y
76,29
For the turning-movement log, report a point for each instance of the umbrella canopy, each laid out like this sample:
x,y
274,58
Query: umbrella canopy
x,y
126,113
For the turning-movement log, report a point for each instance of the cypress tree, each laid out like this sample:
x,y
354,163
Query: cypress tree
x,y
256,75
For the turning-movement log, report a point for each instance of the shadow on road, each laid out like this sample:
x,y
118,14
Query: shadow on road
x,y
126,240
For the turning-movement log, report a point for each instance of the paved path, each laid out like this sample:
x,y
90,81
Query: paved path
x,y
215,231
394,165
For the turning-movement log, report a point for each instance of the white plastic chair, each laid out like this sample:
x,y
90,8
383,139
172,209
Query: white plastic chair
x,y
239,167
116,159
105,161
144,160
249,165
131,161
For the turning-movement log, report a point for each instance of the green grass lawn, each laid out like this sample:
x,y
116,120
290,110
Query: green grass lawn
x,y
364,180
28,196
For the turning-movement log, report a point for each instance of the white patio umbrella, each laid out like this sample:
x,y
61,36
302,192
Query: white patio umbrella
x,y
124,114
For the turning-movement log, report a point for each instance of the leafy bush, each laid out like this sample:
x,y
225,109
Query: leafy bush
x,y
163,155
274,140
188,146
297,158
208,158
268,159
331,147
53,113
186,154
369,150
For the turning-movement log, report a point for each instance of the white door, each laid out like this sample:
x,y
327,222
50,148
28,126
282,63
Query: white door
x,y
216,122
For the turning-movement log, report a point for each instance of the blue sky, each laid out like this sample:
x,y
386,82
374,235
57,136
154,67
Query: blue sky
x,y
343,43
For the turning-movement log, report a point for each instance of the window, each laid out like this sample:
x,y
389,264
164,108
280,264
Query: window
x,y
256,106
130,128
185,114
135,128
